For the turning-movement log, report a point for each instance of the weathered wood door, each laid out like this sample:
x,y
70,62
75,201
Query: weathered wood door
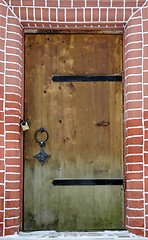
x,y
80,148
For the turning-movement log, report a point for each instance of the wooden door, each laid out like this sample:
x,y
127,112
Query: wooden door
x,y
79,147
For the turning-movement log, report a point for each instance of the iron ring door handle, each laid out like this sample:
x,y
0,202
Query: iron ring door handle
x,y
42,155
42,143
103,123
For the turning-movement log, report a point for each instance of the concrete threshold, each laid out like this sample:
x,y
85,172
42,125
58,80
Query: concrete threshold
x,y
44,235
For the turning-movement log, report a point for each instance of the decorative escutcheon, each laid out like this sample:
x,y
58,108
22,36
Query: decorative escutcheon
x,y
42,155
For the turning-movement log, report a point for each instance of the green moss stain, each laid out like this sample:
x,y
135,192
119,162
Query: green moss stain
x,y
80,209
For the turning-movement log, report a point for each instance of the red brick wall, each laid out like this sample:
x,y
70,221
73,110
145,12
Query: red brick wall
x,y
3,13
136,121
75,14
11,45
133,117
125,15
144,16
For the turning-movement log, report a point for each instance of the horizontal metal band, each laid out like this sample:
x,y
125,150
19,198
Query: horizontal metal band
x,y
86,78
87,182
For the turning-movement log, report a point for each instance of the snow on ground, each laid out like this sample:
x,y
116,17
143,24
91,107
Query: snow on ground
x,y
44,235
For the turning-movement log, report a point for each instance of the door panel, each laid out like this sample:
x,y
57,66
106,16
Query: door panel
x,y
70,112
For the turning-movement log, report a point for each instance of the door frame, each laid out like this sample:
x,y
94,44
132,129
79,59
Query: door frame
x,y
89,32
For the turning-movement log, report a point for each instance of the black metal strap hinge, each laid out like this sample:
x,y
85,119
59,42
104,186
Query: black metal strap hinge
x,y
86,78
87,182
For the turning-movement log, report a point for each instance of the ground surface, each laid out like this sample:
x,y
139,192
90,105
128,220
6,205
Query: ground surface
x,y
44,235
